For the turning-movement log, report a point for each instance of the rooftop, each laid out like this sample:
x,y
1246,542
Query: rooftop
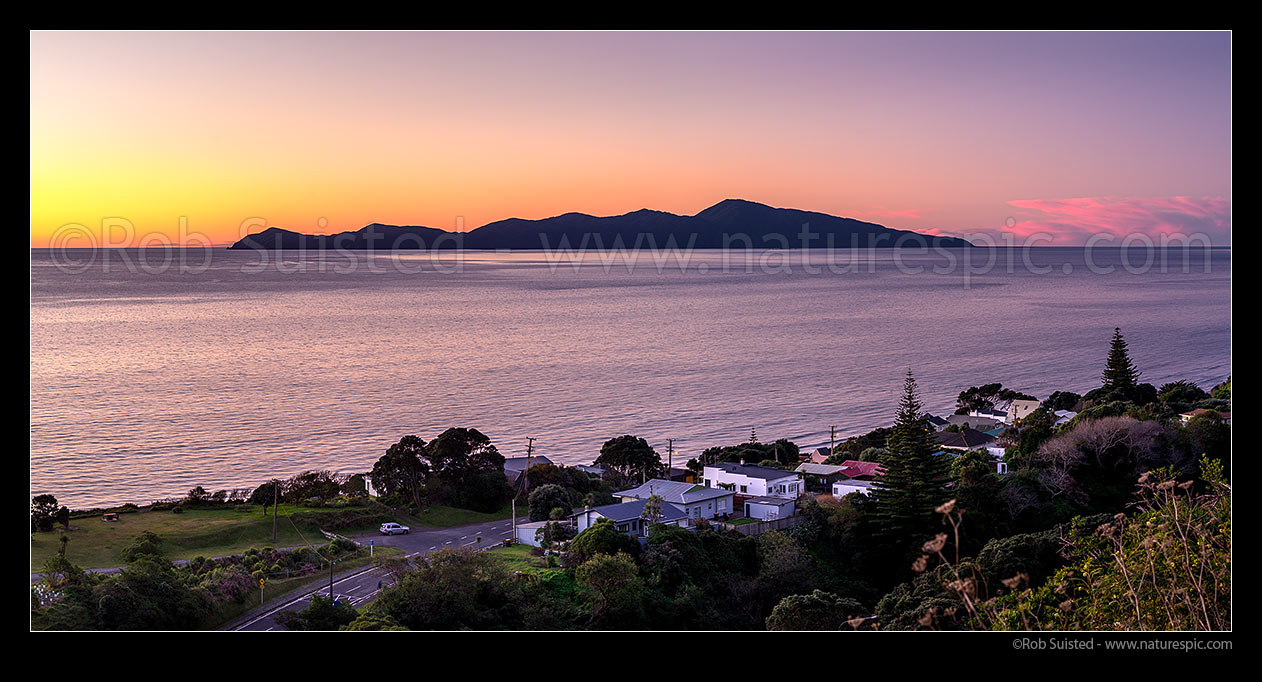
x,y
777,501
819,469
852,468
676,492
626,511
519,463
966,438
753,471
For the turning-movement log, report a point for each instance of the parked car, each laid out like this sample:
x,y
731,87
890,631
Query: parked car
x,y
393,529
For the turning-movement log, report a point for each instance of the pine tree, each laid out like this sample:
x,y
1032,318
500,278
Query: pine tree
x,y
1119,371
911,487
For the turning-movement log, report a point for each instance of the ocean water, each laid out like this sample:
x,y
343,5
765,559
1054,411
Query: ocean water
x,y
155,371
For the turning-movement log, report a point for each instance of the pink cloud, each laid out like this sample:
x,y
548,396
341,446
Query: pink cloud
x,y
1075,221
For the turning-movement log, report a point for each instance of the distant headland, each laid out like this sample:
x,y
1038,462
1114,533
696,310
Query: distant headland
x,y
729,224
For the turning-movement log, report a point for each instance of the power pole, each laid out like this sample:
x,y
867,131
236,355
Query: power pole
x,y
832,439
670,455
275,500
530,446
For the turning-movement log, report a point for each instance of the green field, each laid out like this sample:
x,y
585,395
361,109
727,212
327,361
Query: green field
x,y
518,558
195,532
436,516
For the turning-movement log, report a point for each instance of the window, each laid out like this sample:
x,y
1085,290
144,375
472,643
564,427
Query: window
x,y
743,489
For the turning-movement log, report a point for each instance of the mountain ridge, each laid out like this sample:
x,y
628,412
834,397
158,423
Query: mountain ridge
x,y
729,224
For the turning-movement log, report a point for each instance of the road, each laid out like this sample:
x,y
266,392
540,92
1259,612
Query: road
x,y
361,587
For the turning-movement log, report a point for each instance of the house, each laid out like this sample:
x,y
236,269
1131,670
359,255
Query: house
x,y
936,423
863,471
820,476
628,517
1020,409
684,475
753,481
1063,417
964,439
514,466
997,464
818,455
769,508
593,469
996,415
853,485
696,501
1224,417
526,532
973,422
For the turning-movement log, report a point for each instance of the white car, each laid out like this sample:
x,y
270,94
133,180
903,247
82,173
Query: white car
x,y
393,529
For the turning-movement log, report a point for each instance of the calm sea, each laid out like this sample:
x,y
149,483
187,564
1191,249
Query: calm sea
x,y
155,371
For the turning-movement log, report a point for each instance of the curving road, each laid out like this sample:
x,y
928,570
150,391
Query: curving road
x,y
361,587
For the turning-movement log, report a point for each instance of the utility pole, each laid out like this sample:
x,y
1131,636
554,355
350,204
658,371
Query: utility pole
x,y
275,500
670,455
530,446
832,439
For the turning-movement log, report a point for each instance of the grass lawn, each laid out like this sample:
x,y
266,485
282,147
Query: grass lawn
x,y
436,516
195,532
518,558
742,521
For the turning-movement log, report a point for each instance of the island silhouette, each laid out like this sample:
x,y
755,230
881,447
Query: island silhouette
x,y
729,224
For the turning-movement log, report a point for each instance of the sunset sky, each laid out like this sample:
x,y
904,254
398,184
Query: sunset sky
x,y
1068,134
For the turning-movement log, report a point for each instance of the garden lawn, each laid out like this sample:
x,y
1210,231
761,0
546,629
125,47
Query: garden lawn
x,y
436,516
196,532
517,557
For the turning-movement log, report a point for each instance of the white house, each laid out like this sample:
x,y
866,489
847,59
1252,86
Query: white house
x,y
1224,417
1020,409
853,485
526,532
754,481
697,501
976,422
627,517
995,415
769,508
1063,417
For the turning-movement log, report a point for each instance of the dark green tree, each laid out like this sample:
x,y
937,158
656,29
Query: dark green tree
x,y
321,614
402,471
265,494
147,544
457,452
1119,372
818,610
43,512
546,498
631,457
601,537
913,483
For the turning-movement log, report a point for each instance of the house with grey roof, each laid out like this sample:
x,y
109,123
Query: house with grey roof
x,y
964,439
753,481
628,517
936,423
514,466
981,423
697,501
